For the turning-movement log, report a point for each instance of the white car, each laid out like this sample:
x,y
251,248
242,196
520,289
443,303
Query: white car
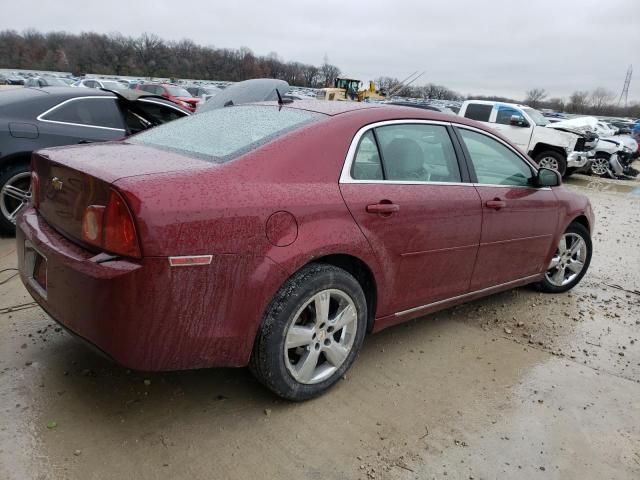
x,y
527,128
99,83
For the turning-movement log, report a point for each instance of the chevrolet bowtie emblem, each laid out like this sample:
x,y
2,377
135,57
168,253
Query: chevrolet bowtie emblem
x,y
56,183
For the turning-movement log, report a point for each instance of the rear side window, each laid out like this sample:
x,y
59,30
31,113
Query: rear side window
x,y
478,111
223,134
157,112
366,164
94,112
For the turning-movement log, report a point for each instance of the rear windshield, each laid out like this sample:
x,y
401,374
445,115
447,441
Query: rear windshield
x,y
226,133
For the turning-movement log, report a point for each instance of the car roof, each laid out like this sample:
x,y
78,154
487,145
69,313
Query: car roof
x,y
326,107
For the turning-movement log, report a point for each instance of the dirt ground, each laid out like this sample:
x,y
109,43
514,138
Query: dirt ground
x,y
518,385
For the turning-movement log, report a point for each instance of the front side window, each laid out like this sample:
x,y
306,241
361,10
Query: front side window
x,y
223,134
493,162
478,111
95,112
418,152
505,113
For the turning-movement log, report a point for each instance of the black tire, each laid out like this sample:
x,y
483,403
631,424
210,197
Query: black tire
x,y
268,358
547,286
560,159
7,173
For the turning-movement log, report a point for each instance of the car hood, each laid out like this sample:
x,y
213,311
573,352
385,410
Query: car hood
x,y
580,126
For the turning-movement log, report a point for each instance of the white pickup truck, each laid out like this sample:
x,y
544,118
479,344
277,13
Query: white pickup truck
x,y
526,128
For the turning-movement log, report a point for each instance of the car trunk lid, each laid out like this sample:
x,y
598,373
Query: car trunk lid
x,y
72,178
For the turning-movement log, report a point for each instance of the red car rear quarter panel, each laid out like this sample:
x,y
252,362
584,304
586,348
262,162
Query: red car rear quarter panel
x,y
148,315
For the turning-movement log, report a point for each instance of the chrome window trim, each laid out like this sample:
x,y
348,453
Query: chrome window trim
x,y
464,295
148,100
345,174
41,118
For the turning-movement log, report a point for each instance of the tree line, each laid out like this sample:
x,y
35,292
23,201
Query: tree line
x,y
148,55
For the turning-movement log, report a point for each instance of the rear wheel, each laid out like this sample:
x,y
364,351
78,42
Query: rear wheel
x,y
553,160
311,332
15,192
570,260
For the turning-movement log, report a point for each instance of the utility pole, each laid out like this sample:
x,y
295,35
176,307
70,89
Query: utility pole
x,y
625,88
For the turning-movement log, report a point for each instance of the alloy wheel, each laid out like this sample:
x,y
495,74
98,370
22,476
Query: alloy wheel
x,y
15,194
321,336
599,166
549,162
568,261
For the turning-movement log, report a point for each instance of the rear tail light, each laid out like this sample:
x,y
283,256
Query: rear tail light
x,y
111,227
35,190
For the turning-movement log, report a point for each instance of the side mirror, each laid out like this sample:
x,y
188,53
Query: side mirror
x,y
517,121
548,178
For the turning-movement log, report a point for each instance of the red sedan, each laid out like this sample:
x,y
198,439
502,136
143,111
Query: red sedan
x,y
171,92
278,236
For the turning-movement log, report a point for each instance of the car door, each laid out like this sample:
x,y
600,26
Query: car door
x,y
81,120
518,219
518,133
404,187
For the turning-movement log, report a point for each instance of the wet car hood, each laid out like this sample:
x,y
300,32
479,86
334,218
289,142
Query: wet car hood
x,y
249,91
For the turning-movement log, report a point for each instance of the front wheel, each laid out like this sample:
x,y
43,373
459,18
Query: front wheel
x,y
552,160
311,332
570,260
600,166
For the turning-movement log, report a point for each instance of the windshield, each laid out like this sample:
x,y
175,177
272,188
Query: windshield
x,y
178,92
536,116
223,134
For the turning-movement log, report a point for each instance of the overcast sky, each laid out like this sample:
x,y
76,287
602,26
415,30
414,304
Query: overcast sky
x,y
472,46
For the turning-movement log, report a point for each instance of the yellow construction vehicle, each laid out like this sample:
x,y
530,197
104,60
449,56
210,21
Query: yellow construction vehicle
x,y
348,89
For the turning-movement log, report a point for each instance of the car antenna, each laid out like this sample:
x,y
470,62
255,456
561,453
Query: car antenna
x,y
281,102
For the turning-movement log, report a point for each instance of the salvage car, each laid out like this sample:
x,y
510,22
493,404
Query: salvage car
x,y
39,82
99,83
171,92
277,235
32,118
526,127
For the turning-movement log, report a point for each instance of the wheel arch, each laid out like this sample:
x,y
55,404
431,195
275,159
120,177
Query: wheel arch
x,y
582,220
16,157
362,273
544,147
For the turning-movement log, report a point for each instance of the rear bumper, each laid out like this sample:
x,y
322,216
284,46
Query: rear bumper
x,y
145,314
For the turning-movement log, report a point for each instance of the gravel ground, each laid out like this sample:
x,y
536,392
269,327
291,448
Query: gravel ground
x,y
517,385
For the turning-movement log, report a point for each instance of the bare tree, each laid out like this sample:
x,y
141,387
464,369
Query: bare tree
x,y
328,73
535,96
601,98
578,101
